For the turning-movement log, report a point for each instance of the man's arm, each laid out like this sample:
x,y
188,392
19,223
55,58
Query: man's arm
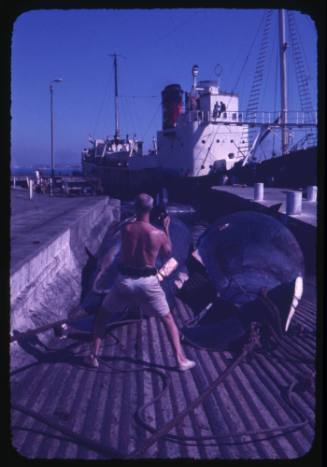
x,y
171,264
166,244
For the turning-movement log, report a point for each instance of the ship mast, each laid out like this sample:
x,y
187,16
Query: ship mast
x,y
116,99
283,81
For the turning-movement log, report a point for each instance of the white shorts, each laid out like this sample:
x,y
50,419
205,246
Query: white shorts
x,y
145,292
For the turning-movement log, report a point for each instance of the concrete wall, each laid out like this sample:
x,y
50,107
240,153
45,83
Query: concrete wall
x,y
47,286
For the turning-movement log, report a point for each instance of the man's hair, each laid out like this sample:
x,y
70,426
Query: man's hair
x,y
143,203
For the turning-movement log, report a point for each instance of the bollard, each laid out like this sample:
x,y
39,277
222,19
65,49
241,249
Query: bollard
x,y
258,191
31,189
14,182
28,182
51,186
293,202
312,193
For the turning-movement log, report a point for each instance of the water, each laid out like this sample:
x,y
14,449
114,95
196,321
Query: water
x,y
30,171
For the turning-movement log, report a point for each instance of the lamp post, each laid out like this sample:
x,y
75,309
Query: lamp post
x,y
59,80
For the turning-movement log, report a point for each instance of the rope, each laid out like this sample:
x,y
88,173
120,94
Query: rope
x,y
179,417
275,329
73,435
248,348
254,341
280,429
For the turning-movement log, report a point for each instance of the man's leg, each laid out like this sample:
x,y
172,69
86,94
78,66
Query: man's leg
x,y
172,330
98,334
154,300
116,300
98,331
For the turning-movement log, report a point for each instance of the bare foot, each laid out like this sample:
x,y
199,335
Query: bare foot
x,y
186,365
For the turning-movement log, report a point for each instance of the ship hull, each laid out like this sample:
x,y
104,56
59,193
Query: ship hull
x,y
125,183
294,170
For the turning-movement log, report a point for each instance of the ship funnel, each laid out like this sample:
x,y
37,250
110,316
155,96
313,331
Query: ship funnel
x,y
172,103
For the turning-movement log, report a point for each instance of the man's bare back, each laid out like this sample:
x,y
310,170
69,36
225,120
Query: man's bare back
x,y
142,242
140,246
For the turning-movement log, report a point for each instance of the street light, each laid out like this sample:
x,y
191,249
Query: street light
x,y
59,80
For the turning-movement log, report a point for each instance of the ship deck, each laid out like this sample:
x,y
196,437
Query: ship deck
x,y
100,405
62,409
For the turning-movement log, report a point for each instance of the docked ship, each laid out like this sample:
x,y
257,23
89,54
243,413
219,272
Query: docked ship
x,y
206,139
191,144
119,162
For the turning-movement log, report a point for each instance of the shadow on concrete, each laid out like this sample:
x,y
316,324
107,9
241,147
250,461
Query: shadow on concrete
x,y
88,273
43,354
33,346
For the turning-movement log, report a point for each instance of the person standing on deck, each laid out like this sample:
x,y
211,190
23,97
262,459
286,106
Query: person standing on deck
x,y
138,281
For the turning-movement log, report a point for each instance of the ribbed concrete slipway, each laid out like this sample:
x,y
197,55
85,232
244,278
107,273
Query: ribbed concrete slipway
x,y
100,405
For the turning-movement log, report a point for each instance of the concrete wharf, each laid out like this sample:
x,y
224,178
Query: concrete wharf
x,y
272,197
35,223
72,411
49,237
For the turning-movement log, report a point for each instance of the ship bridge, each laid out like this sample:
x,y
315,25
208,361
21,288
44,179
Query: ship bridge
x,y
295,119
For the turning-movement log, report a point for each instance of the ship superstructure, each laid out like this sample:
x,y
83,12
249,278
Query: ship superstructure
x,y
203,131
111,152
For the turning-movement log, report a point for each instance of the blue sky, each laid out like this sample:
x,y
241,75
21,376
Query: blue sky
x,y
159,48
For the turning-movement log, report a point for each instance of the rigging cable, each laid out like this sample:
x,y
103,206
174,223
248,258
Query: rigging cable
x,y
151,121
100,110
124,116
265,20
310,135
249,53
309,77
275,95
175,28
256,87
301,76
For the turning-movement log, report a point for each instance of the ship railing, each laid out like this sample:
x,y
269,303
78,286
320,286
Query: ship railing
x,y
296,118
292,117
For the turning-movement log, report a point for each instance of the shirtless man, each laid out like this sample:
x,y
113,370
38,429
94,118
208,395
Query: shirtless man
x,y
137,282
